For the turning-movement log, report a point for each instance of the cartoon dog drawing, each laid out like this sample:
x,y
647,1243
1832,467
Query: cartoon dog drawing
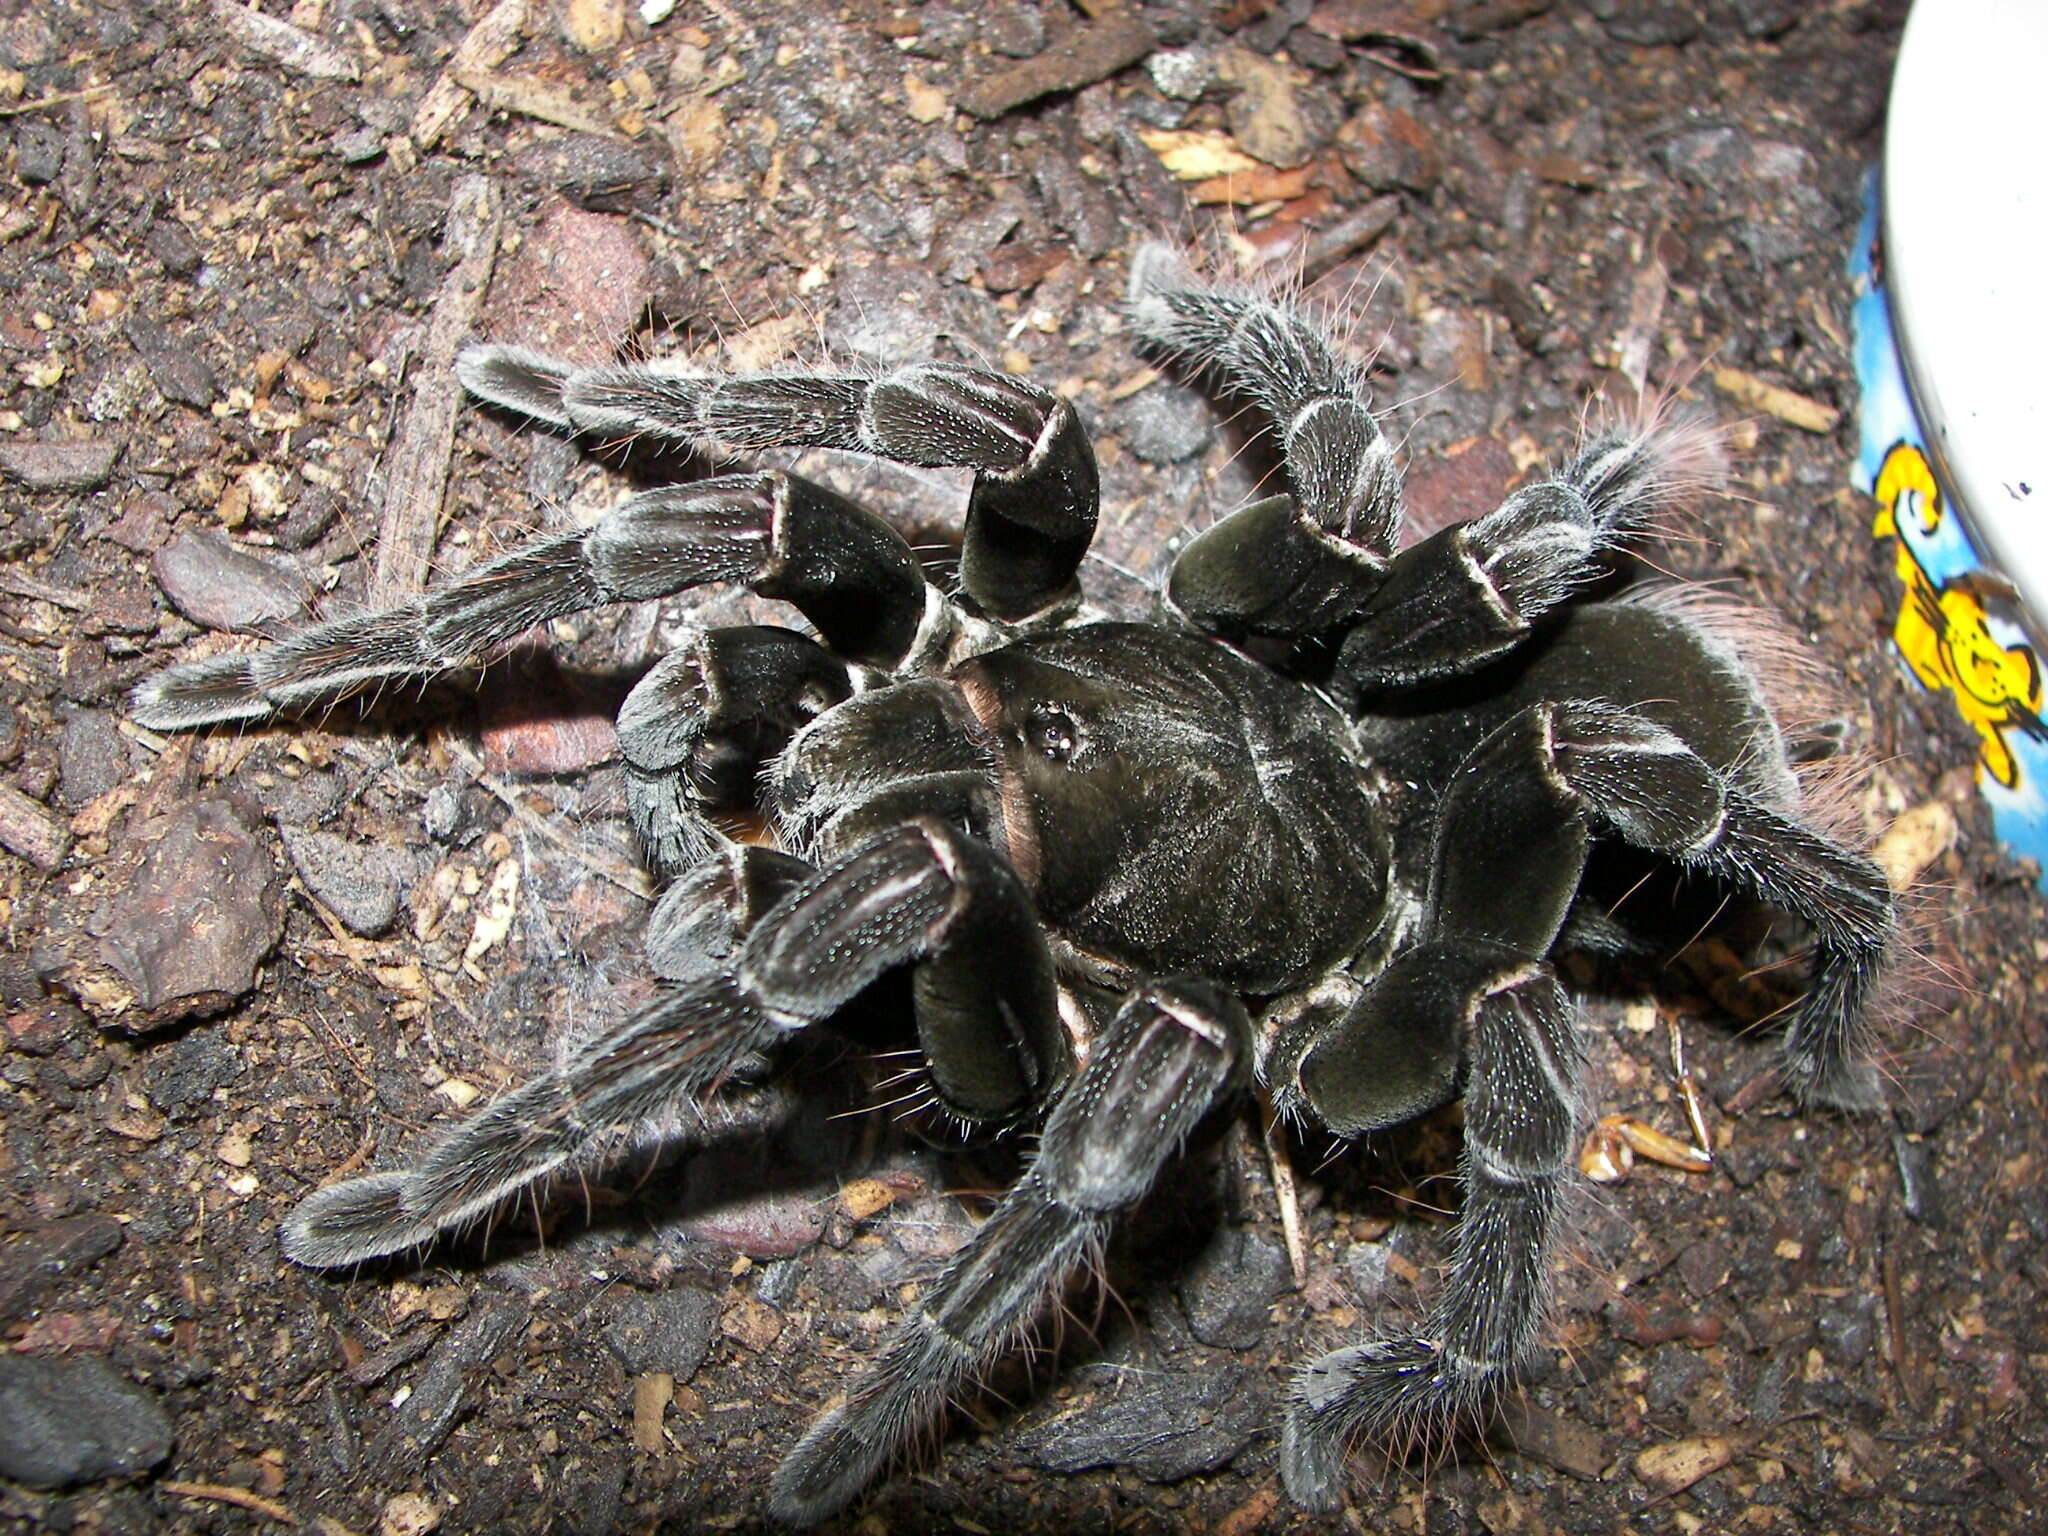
x,y
1943,630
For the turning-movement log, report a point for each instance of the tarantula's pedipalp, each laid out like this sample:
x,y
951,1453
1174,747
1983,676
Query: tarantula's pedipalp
x,y
1176,1047
1474,591
1032,514
846,570
695,730
697,928
922,893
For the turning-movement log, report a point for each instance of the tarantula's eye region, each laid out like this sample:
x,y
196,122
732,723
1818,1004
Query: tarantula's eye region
x,y
1051,732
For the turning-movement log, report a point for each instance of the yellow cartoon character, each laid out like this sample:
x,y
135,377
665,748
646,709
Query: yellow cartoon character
x,y
1942,629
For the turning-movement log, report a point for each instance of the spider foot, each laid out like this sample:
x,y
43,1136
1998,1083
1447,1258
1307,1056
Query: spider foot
x,y
361,1219
211,691
1401,1393
1851,1085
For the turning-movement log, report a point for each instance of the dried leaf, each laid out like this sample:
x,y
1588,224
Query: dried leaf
x,y
1197,154
1647,1141
1606,1158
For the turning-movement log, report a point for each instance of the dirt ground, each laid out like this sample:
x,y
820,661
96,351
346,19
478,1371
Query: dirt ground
x,y
238,249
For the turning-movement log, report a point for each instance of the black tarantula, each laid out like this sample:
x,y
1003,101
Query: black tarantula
x,y
1129,866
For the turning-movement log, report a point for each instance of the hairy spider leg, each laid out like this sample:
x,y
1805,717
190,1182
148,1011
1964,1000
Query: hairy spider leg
x,y
1032,513
1175,1048
1847,901
846,570
921,894
1478,985
1341,469
1521,1108
1541,783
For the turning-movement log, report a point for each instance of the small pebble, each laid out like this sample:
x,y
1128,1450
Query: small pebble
x,y
60,466
74,1419
199,914
214,582
1165,423
668,1331
1164,1428
1227,1292
358,883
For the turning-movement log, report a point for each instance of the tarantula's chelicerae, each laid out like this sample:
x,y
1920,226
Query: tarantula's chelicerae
x,y
1130,868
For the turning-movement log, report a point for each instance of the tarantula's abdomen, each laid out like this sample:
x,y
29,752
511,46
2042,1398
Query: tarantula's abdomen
x,y
1189,810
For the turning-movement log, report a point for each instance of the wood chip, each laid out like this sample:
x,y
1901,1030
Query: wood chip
x,y
1635,346
1349,235
1677,1464
752,1323
28,830
416,472
1914,841
1198,154
494,917
524,96
1261,184
653,1391
1084,56
1797,410
1558,1442
488,44
297,50
862,1198
925,102
1251,1515
241,1498
594,25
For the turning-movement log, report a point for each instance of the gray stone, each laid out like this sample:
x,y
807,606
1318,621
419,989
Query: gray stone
x,y
1163,1428
60,466
56,1254
173,362
1846,1333
417,1428
185,1077
1652,23
1165,424
359,147
1675,1370
1230,1287
73,1419
214,582
39,152
664,1331
597,174
91,756
360,884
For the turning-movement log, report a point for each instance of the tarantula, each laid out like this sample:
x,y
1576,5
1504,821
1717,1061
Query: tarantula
x,y
1128,866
